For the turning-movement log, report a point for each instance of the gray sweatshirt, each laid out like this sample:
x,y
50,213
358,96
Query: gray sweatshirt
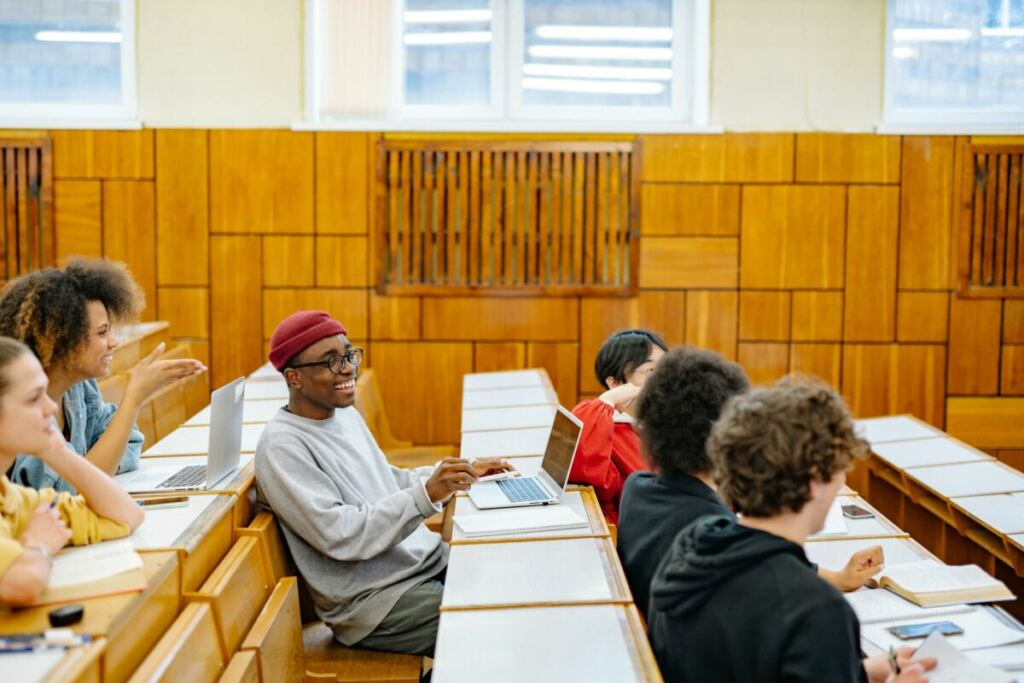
x,y
353,523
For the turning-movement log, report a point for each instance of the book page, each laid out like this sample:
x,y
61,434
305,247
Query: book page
x,y
954,666
929,576
90,563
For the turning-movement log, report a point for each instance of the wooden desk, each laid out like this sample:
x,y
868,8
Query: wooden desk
x,y
131,623
201,533
266,390
927,452
566,644
492,419
894,428
196,441
253,412
505,443
137,341
834,554
580,499
499,398
511,379
1001,513
969,479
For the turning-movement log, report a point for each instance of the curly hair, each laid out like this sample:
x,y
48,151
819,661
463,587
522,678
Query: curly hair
x,y
680,402
770,443
46,309
623,352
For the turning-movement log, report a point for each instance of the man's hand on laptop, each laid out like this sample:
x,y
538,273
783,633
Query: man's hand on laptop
x,y
453,474
491,466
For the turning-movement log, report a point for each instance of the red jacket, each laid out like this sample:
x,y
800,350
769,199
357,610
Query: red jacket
x,y
609,452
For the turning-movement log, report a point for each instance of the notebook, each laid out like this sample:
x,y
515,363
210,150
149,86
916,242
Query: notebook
x,y
981,629
930,583
954,666
94,570
519,520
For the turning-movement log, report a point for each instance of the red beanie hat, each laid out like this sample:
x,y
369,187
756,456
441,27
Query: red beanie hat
x,y
299,331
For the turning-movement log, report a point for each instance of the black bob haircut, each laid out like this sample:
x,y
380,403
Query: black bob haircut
x,y
680,402
624,352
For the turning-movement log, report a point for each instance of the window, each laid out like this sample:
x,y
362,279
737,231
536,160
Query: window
x,y
67,59
516,60
955,62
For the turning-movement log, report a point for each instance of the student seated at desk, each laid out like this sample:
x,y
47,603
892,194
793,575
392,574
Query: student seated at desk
x,y
354,523
675,411
609,450
736,600
34,525
65,317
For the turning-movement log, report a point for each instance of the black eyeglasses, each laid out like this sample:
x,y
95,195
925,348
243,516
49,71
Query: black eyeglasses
x,y
335,364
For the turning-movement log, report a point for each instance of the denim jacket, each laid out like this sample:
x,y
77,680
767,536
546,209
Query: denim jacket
x,y
86,416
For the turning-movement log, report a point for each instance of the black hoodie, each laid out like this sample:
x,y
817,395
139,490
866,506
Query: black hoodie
x,y
730,604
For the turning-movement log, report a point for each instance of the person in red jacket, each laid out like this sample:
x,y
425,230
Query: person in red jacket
x,y
609,449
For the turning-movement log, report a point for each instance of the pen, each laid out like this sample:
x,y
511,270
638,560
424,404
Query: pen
x,y
53,503
892,660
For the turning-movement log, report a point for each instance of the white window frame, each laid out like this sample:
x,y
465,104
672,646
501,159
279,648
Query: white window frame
x,y
688,111
72,115
938,120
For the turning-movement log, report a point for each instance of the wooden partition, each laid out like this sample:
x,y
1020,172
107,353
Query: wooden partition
x,y
830,254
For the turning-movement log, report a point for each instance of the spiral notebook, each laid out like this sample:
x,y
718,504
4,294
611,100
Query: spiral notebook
x,y
519,521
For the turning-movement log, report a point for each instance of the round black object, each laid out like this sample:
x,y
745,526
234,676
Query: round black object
x,y
66,615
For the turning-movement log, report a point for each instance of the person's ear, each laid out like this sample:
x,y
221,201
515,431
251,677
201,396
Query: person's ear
x,y
292,377
611,382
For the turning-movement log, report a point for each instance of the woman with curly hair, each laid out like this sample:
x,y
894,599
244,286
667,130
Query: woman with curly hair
x,y
609,450
65,317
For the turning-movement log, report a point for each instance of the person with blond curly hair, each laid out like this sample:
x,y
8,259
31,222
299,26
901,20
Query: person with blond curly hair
x,y
66,316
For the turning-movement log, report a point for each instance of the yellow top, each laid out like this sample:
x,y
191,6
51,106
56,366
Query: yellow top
x,y
19,502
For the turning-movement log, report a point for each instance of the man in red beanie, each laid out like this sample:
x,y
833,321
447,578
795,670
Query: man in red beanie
x,y
353,523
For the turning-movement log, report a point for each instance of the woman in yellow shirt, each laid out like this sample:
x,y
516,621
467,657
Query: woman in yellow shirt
x,y
35,524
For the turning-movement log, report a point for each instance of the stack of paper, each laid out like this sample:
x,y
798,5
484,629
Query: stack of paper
x,y
521,520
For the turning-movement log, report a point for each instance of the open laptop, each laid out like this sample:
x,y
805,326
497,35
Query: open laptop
x,y
225,451
548,485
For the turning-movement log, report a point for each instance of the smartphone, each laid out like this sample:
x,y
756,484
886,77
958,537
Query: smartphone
x,y
857,512
912,631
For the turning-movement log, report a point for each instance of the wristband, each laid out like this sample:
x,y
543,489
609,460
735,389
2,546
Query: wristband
x,y
41,550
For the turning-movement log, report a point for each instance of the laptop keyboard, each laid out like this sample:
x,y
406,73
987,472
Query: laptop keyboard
x,y
522,490
193,476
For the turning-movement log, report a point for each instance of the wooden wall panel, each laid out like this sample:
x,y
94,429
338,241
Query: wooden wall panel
x,y
974,329
792,236
661,312
495,356
692,210
872,232
182,208
881,379
499,319
235,308
733,157
261,181
560,360
764,362
925,206
843,158
986,422
680,262
427,410
823,361
129,233
344,174
342,261
1013,321
764,316
288,261
712,321
1011,380
394,317
922,316
350,306
78,216
817,316
102,153
187,309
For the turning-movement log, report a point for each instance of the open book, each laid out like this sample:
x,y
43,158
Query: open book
x,y
519,521
930,583
93,570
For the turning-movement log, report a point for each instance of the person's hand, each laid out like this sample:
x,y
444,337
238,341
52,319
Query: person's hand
x,y
151,375
879,670
491,466
913,673
453,474
622,397
46,528
862,565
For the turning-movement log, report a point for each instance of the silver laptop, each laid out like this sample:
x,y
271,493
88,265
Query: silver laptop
x,y
225,451
548,485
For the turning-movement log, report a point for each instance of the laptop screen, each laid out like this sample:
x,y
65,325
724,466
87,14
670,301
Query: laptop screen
x,y
565,433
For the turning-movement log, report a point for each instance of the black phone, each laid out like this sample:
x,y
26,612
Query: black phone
x,y
913,631
857,512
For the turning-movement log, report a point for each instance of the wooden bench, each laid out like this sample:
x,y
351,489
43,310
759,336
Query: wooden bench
x,y
276,636
243,668
190,650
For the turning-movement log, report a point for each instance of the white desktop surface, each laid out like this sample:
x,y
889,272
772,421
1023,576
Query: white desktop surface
x,y
196,441
511,379
265,371
834,554
927,452
588,643
505,442
263,390
873,527
252,412
168,466
497,398
495,574
30,667
1003,512
490,419
163,527
970,479
894,428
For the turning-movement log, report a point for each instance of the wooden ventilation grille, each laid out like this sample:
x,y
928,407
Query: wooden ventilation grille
x,y
507,217
28,226
991,222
